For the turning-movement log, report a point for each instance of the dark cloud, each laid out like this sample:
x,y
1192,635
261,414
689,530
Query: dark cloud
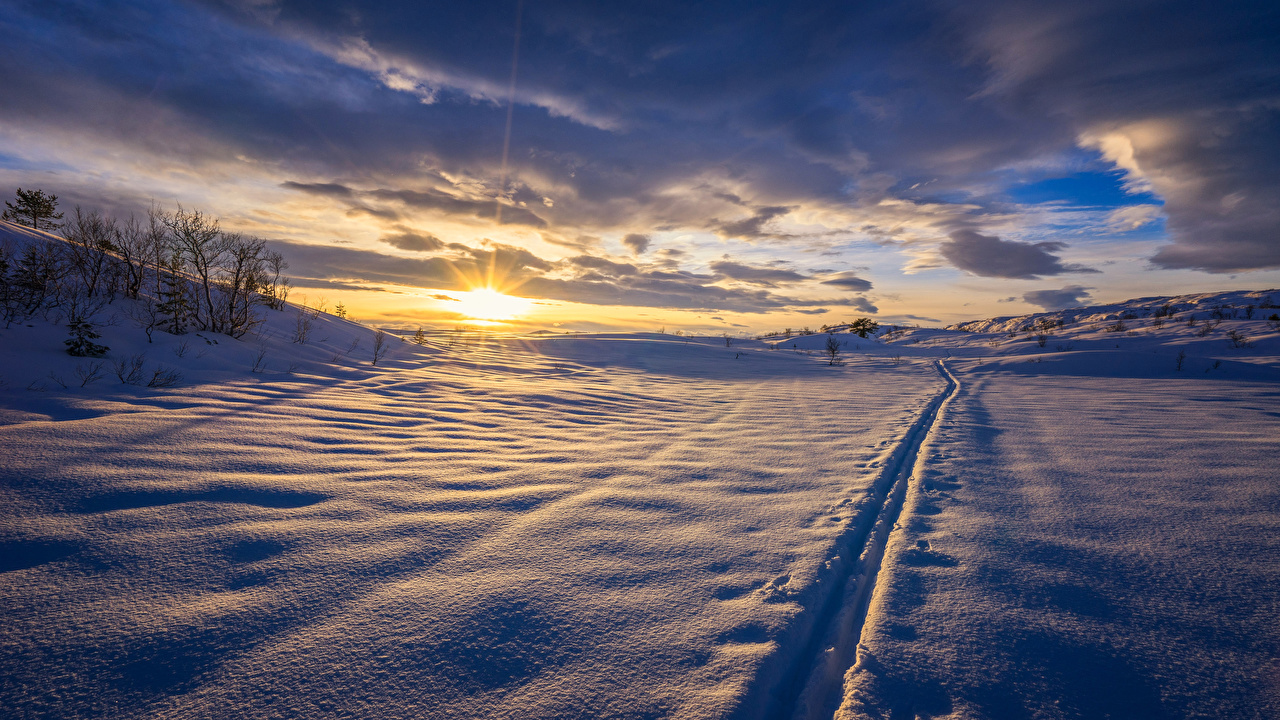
x,y
325,189
416,242
764,276
453,205
752,227
637,243
603,266
864,305
990,256
1069,296
848,281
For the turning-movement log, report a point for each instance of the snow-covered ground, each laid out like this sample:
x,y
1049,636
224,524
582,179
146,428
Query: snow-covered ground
x,y
989,523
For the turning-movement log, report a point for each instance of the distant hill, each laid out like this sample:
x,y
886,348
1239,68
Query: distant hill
x,y
1238,304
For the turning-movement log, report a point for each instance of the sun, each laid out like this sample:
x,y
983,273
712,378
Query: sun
x,y
489,304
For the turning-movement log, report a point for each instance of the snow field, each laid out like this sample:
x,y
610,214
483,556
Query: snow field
x,y
568,527
1082,548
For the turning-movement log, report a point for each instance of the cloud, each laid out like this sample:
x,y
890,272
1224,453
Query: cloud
x,y
1132,217
416,242
990,256
764,276
603,266
865,305
751,227
849,281
638,243
1069,296
838,129
325,189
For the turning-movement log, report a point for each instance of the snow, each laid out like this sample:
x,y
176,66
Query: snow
x,y
953,523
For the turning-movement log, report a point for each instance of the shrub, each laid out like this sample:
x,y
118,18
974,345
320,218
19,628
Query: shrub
x,y
832,350
379,346
129,369
1238,340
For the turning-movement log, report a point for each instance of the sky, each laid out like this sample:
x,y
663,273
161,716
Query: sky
x,y
711,166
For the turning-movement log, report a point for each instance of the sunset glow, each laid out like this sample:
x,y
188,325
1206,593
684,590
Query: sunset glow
x,y
489,304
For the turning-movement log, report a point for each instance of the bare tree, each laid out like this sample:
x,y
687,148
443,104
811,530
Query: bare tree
x,y
832,350
133,246
275,287
379,346
90,249
238,280
198,241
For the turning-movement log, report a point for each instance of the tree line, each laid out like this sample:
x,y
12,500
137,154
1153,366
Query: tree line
x,y
182,271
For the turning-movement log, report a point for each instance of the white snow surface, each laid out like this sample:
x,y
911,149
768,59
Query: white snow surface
x,y
646,525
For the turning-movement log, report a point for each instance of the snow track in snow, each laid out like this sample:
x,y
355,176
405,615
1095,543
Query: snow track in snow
x,y
813,688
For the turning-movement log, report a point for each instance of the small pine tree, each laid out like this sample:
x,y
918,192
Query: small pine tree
x,y
34,209
174,305
420,337
81,343
863,327
340,310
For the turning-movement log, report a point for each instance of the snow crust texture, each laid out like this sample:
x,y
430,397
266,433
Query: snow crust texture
x,y
1078,549
521,528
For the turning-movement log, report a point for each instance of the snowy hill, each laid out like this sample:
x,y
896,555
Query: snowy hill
x,y
1221,305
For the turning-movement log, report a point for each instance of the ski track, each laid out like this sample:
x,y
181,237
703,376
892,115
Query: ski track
x,y
812,688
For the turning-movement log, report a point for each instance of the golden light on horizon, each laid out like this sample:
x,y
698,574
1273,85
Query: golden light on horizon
x,y
489,304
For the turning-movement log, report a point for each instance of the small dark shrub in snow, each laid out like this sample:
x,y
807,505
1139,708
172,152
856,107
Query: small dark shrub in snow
x,y
129,369
164,377
1177,363
81,343
340,310
260,358
1117,326
302,324
1238,340
89,372
379,346
420,337
728,340
1041,339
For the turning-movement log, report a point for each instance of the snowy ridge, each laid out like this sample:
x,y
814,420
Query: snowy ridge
x,y
1234,302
